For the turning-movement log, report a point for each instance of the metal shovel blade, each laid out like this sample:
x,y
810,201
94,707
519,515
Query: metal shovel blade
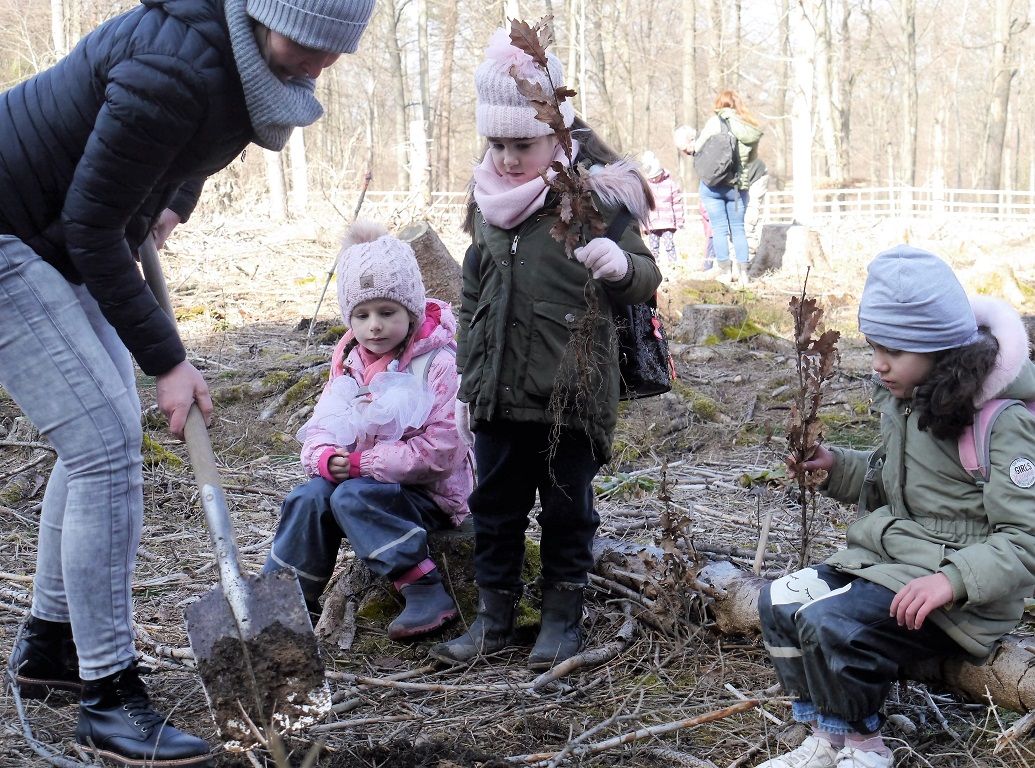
x,y
274,678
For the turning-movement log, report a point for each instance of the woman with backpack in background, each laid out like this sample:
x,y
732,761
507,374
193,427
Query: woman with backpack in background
x,y
725,200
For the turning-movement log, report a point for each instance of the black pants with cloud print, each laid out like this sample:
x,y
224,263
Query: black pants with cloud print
x,y
834,642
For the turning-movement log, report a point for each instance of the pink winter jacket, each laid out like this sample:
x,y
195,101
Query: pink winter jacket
x,y
668,203
433,456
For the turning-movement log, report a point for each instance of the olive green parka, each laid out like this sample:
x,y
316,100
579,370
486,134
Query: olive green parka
x,y
522,298
931,516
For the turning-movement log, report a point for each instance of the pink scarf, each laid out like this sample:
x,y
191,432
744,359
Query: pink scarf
x,y
506,206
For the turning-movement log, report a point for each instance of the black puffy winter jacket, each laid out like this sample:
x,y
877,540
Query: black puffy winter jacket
x,y
93,149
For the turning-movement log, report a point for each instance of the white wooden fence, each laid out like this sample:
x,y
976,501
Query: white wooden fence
x,y
828,204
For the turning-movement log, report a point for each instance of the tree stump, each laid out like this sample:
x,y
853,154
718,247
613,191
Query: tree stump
x,y
703,322
804,249
771,246
441,272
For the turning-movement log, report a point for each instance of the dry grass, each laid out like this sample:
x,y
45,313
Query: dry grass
x,y
706,456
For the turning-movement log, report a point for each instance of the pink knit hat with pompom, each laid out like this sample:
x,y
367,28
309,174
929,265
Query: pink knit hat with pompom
x,y
374,265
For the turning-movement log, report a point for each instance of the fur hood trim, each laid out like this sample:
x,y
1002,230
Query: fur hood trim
x,y
619,184
1006,326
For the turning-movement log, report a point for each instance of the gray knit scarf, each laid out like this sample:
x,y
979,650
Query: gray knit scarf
x,y
275,108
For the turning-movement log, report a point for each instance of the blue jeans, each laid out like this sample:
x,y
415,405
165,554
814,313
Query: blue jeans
x,y
725,207
387,525
73,378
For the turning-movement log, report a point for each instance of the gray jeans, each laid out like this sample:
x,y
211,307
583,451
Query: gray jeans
x,y
73,378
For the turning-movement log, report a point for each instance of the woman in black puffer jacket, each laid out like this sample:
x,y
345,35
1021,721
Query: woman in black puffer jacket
x,y
111,143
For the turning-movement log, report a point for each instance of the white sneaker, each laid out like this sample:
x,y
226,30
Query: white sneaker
x,y
856,758
813,753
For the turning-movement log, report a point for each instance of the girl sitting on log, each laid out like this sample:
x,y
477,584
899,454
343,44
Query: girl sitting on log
x,y
942,562
386,460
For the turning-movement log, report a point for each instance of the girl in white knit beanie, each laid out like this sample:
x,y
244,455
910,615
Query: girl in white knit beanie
x,y
522,301
382,449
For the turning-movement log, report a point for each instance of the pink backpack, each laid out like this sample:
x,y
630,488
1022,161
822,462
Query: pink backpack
x,y
975,441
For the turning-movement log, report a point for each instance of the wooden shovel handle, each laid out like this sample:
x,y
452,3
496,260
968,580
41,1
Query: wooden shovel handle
x,y
203,460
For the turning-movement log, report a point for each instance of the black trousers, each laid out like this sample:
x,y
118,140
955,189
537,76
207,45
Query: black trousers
x,y
835,644
513,463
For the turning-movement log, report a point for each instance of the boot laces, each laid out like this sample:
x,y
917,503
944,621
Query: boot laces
x,y
137,705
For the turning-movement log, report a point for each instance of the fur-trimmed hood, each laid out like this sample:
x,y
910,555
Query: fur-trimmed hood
x,y
1014,374
620,184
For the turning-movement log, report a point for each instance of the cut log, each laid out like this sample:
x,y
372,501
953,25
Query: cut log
x,y
701,323
1006,679
440,271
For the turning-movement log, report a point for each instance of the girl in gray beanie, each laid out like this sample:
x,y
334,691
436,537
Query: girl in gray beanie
x,y
943,557
109,145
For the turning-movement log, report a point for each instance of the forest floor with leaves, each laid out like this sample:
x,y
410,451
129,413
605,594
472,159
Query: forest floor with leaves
x,y
695,474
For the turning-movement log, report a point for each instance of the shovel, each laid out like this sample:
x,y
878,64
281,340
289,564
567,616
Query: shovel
x,y
251,635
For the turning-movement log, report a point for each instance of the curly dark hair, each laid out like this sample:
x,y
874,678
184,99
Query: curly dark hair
x,y
945,401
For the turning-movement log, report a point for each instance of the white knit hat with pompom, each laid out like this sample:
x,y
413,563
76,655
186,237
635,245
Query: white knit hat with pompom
x,y
374,265
502,112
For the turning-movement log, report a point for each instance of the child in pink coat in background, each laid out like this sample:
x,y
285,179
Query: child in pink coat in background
x,y
667,215
382,448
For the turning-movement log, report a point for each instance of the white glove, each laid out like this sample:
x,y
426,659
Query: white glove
x,y
604,258
462,416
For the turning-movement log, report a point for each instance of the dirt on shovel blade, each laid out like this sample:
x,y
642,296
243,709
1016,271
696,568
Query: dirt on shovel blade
x,y
284,688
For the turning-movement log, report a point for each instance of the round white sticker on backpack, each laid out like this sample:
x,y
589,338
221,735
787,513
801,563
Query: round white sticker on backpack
x,y
1022,472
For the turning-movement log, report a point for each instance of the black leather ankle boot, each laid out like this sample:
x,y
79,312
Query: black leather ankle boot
x,y
44,659
117,721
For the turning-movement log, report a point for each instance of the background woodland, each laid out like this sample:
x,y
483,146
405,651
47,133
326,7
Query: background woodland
x,y
851,92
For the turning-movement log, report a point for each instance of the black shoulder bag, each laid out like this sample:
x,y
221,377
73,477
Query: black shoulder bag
x,y
644,363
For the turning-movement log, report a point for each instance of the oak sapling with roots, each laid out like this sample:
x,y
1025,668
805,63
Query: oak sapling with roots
x,y
816,358
578,221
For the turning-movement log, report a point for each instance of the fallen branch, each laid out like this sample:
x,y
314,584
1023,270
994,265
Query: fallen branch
x,y
592,656
642,733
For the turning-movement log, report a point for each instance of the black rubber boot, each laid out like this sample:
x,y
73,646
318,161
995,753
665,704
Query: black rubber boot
x,y
117,721
44,660
560,635
428,608
491,630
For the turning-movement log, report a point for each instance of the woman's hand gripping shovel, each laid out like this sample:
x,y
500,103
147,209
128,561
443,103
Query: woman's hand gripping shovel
x,y
251,635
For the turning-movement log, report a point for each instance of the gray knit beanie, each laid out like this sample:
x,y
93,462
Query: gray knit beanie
x,y
913,302
333,26
375,265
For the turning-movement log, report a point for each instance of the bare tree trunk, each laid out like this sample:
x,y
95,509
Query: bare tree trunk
x,y
275,185
907,141
511,10
1002,76
786,87
825,92
844,77
689,82
803,50
593,38
398,70
299,200
422,152
57,26
718,69
443,112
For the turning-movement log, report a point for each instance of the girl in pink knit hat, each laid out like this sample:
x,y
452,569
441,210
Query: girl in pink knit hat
x,y
382,449
522,300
